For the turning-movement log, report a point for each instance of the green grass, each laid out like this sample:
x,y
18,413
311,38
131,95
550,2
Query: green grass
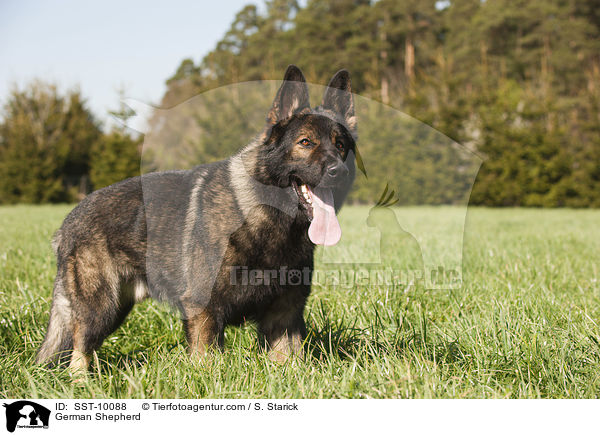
x,y
523,325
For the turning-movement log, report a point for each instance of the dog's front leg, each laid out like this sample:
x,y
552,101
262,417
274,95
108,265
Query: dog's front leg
x,y
202,330
282,325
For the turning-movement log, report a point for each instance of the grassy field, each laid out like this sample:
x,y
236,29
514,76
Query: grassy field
x,y
523,325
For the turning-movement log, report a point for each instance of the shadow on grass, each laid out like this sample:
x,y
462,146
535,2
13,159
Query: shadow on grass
x,y
338,338
112,358
109,361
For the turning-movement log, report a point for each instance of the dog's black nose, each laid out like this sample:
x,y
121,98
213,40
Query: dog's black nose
x,y
337,169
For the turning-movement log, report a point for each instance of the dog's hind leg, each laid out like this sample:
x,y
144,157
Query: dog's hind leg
x,y
59,334
99,304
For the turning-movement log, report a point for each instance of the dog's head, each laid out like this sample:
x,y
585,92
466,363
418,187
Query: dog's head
x,y
312,150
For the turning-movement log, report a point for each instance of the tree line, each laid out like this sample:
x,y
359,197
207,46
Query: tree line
x,y
52,149
517,82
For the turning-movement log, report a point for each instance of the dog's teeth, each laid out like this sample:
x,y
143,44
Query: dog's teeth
x,y
305,193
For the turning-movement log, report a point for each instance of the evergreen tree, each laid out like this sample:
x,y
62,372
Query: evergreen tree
x,y
44,143
115,157
516,81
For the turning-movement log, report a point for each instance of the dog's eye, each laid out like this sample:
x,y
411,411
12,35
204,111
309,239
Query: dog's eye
x,y
305,142
339,146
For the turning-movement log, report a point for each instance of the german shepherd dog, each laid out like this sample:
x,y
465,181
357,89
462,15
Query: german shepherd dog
x,y
186,237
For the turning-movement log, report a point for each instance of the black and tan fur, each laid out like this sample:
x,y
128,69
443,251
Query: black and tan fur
x,y
174,235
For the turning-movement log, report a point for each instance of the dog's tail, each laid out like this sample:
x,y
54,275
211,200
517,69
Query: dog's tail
x,y
58,342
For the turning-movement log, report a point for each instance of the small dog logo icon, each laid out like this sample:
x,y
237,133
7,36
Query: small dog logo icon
x,y
26,414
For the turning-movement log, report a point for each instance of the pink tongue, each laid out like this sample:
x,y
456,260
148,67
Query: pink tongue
x,y
324,228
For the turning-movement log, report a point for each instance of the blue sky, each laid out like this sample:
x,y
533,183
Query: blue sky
x,y
107,45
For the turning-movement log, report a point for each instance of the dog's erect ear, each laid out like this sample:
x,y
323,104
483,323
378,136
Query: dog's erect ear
x,y
338,98
291,97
